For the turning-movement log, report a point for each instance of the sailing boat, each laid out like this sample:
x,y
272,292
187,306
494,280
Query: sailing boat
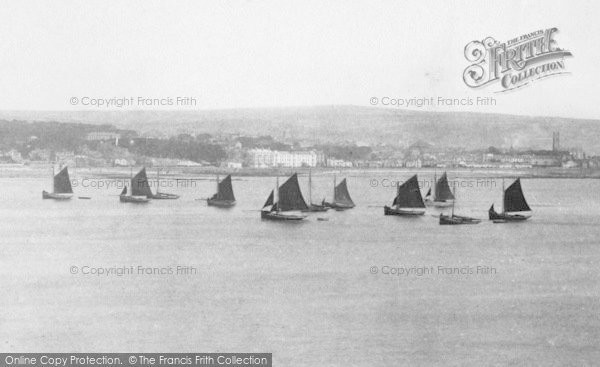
x,y
314,207
408,200
141,187
140,196
341,197
442,196
162,195
454,219
284,201
124,198
514,204
62,186
224,197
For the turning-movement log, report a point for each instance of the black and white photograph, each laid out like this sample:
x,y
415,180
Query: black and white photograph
x,y
299,183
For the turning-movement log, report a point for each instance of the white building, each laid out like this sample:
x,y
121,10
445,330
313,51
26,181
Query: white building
x,y
295,159
413,163
338,163
233,165
263,158
260,158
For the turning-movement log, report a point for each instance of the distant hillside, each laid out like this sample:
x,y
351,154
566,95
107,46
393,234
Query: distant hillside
x,y
336,124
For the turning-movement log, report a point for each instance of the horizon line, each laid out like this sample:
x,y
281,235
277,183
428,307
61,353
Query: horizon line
x,y
289,107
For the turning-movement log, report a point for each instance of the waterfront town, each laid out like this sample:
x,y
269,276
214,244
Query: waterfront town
x,y
81,145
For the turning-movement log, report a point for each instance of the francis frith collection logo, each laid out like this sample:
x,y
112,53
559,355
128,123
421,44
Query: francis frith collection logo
x,y
514,63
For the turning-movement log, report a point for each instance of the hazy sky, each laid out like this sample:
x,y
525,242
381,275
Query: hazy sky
x,y
282,53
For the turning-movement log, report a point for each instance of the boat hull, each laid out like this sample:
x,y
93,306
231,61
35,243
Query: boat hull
x,y
277,216
133,199
506,217
220,203
56,196
338,206
457,220
401,212
164,196
510,218
317,208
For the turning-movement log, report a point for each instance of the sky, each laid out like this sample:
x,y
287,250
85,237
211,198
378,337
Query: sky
x,y
240,54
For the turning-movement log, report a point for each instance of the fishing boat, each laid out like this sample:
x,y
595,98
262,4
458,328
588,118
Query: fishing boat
x,y
224,197
62,189
442,196
341,197
515,207
162,195
285,203
408,200
124,198
141,187
454,219
457,219
314,207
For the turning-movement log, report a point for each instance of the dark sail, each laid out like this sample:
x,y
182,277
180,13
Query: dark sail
x,y
514,201
409,195
397,194
269,201
225,190
124,192
342,196
442,189
140,185
62,183
290,196
428,193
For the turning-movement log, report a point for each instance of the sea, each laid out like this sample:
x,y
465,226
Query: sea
x,y
341,288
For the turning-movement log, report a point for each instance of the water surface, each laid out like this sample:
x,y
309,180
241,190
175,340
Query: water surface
x,y
304,291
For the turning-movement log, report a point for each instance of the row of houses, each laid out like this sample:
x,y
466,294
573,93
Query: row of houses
x,y
265,158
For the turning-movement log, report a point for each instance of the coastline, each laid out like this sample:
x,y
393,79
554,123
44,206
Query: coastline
x,y
45,169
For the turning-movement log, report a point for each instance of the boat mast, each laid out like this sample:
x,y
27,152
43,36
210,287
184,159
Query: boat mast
x,y
397,192
433,192
334,183
453,201
157,180
218,196
503,195
276,193
309,187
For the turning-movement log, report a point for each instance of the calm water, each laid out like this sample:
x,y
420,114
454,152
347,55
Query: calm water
x,y
305,291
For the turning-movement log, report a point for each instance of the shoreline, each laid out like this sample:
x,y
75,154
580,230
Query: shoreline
x,y
43,170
